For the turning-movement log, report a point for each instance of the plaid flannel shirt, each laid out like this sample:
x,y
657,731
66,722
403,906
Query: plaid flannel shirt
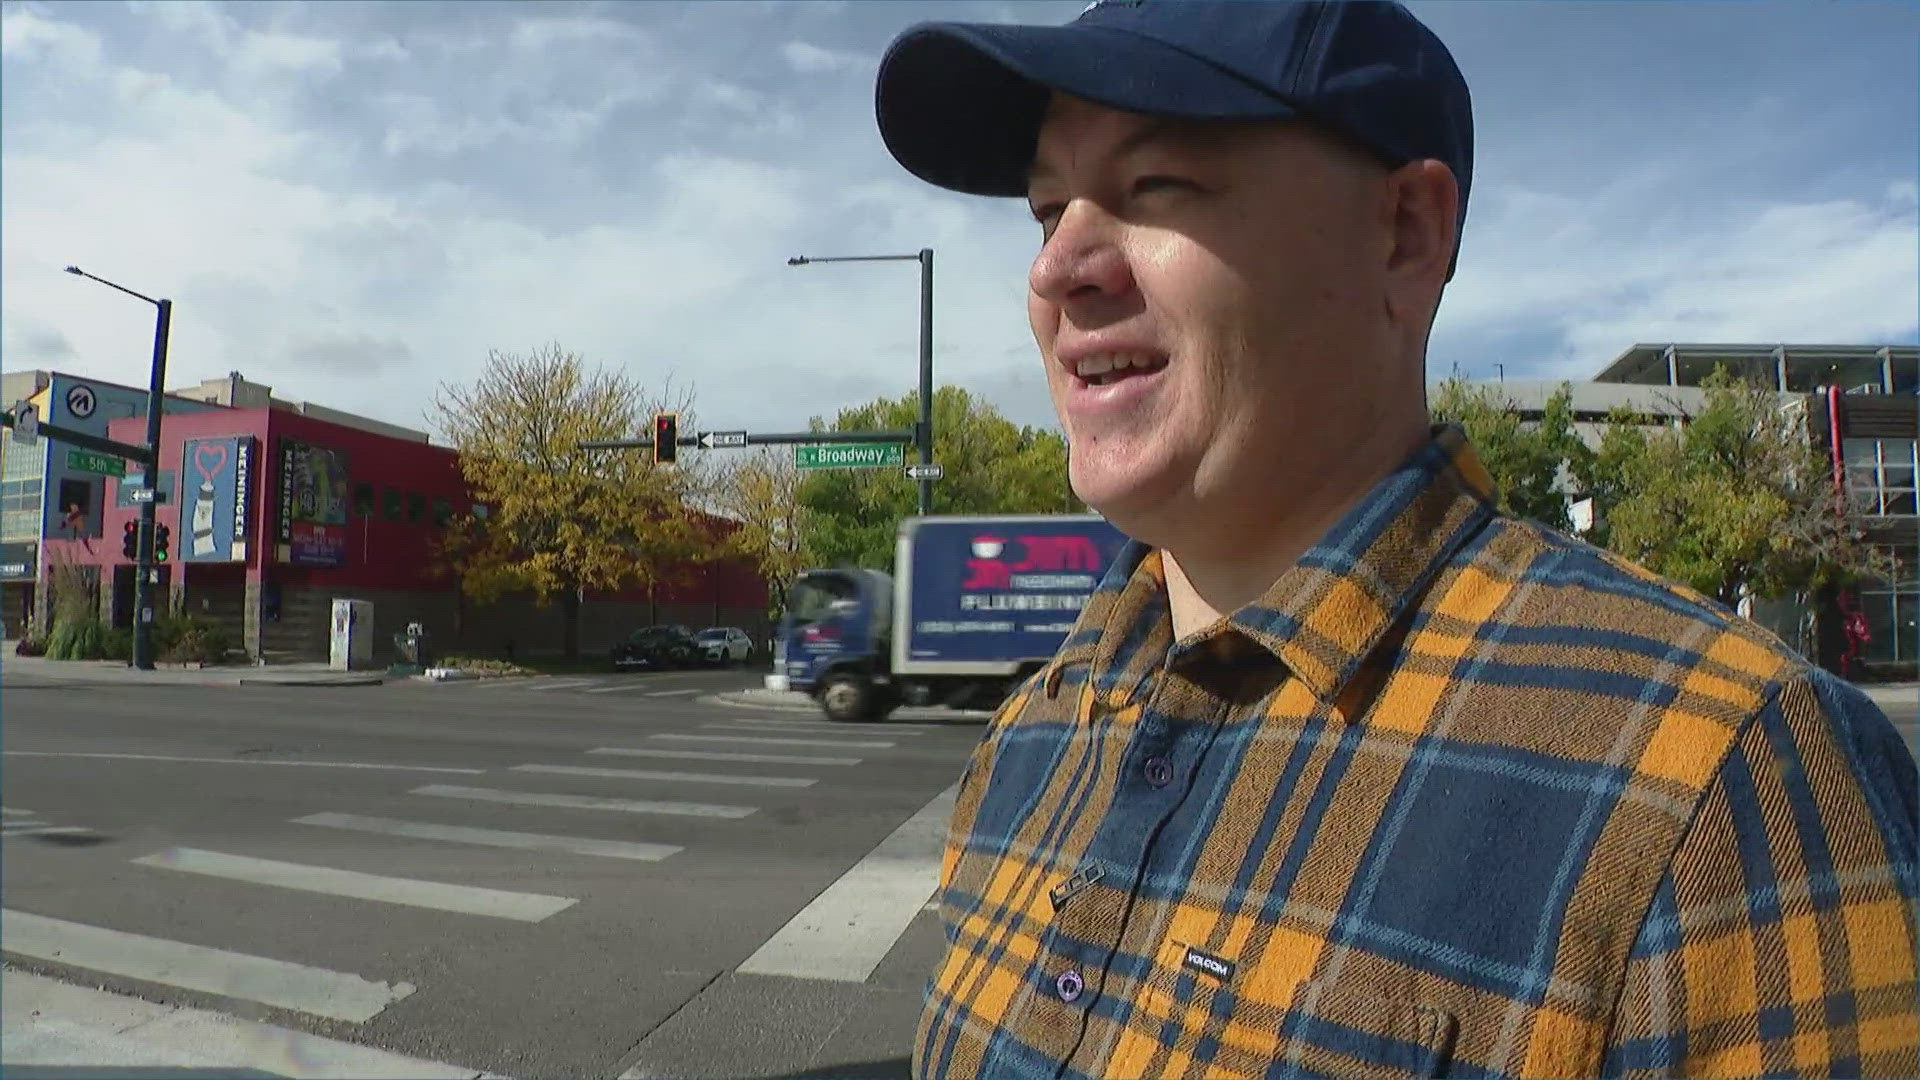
x,y
1457,796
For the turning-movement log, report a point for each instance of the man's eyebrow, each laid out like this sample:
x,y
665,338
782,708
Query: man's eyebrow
x,y
1153,130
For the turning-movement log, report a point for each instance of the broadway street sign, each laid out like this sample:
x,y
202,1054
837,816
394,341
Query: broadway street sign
x,y
849,456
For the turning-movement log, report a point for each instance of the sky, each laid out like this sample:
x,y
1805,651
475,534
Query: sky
x,y
356,202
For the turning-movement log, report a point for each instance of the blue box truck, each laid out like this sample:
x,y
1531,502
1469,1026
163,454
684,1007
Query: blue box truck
x,y
976,605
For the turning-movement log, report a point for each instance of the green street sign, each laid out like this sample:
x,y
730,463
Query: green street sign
x,y
849,456
104,464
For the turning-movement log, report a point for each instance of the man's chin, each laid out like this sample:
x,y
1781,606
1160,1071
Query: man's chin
x,y
1136,501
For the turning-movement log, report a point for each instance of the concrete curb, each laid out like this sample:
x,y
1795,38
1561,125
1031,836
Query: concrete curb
x,y
316,680
777,701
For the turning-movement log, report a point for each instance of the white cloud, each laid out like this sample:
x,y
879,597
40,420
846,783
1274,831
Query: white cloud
x,y
811,59
27,34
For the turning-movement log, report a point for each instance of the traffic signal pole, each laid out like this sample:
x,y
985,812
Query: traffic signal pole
x,y
144,572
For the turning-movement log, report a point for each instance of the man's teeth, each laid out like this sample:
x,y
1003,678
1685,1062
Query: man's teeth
x,y
1109,366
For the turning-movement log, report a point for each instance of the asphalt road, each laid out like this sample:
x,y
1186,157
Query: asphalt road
x,y
690,892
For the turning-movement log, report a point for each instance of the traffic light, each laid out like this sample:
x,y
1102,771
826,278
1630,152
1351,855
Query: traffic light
x,y
161,536
130,541
666,438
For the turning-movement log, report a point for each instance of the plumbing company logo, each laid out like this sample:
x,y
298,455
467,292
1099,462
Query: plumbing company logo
x,y
1045,562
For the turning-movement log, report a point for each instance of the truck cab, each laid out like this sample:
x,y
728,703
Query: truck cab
x,y
835,640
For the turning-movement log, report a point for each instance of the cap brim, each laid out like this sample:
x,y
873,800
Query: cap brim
x,y
960,104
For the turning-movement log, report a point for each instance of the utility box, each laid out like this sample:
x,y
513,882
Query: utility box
x,y
350,645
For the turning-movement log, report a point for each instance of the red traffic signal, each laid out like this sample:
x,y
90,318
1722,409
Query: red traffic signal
x,y
130,541
666,438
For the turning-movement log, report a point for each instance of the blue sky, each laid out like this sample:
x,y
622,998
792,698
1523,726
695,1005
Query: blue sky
x,y
353,201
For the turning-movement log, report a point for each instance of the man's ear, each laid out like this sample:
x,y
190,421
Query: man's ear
x,y
1423,201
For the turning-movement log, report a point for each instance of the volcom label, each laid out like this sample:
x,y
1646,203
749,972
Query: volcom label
x,y
1207,964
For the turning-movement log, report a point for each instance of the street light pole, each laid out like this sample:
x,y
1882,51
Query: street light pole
x,y
144,572
923,431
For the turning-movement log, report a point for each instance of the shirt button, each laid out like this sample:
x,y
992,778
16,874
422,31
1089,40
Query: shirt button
x,y
1069,985
1159,771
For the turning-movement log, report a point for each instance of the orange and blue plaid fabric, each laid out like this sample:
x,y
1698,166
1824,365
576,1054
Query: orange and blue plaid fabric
x,y
1459,796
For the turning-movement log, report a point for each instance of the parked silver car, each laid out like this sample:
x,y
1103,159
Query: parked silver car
x,y
726,645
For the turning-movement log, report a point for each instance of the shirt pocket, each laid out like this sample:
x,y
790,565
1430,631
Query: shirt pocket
x,y
1334,1030
1207,1016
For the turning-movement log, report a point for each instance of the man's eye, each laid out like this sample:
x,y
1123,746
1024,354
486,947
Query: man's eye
x,y
1147,185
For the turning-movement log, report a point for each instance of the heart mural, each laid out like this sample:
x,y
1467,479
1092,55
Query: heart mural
x,y
209,459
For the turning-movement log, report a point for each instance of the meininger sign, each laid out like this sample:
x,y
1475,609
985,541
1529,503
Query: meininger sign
x,y
242,486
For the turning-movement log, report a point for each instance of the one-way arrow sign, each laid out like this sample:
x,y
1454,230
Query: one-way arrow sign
x,y
932,471
711,439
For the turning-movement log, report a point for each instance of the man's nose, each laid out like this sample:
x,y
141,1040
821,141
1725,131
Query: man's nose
x,y
1083,258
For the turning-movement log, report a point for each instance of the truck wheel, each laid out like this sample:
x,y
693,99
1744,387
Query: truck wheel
x,y
850,697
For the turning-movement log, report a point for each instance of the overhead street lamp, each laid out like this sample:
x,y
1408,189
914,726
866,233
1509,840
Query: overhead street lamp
x,y
923,432
156,397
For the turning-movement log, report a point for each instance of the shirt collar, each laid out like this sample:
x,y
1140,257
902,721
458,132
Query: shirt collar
x,y
1329,611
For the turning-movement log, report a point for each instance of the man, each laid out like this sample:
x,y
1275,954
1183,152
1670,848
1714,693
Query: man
x,y
1342,772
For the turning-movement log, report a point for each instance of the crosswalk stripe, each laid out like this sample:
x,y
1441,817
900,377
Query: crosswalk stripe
x,y
564,684
871,745
686,777
801,727
675,693
246,761
584,802
461,834
851,926
722,755
5,810
34,828
284,985
460,899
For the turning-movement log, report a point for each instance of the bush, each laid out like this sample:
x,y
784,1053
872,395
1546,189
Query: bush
x,y
79,639
119,644
30,646
185,639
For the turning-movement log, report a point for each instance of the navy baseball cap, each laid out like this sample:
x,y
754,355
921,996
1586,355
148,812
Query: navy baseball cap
x,y
960,104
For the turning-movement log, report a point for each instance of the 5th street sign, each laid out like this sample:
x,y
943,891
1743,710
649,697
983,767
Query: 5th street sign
x,y
849,456
104,464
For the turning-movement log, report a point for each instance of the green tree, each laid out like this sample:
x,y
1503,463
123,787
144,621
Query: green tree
x,y
1526,459
991,466
1736,500
560,521
762,492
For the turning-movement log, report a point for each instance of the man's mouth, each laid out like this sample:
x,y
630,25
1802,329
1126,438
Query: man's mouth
x,y
1104,368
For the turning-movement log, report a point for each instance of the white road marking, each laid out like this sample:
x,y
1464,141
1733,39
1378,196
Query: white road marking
x,y
284,985
675,693
28,829
778,742
460,834
722,755
687,777
564,684
247,761
888,727
584,802
6,810
460,899
50,1024
798,728
850,927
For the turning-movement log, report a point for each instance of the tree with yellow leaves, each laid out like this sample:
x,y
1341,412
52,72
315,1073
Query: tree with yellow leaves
x,y
762,492
560,521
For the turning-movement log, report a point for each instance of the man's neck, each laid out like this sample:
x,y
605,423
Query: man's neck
x,y
1206,583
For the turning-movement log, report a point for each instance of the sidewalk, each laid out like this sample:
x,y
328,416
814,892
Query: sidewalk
x,y
30,671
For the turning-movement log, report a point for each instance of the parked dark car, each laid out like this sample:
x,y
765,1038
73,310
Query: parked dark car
x,y
659,647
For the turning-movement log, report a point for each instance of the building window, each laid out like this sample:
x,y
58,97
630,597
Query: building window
x,y
363,500
442,513
416,509
1880,475
23,471
394,505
